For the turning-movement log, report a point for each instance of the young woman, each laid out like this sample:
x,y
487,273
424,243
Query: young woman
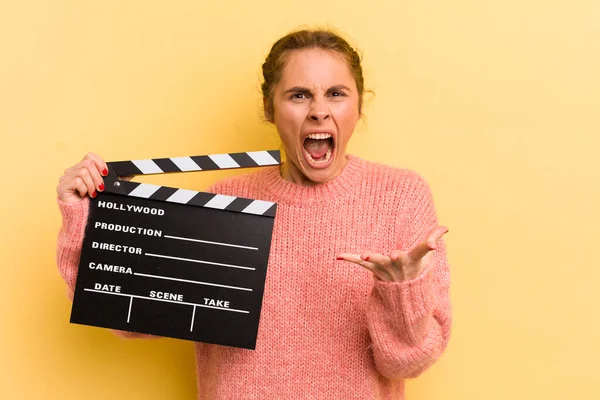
x,y
329,329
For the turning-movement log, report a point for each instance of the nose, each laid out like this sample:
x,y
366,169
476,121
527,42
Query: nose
x,y
319,111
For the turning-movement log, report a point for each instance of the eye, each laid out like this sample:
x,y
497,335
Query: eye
x,y
298,96
338,94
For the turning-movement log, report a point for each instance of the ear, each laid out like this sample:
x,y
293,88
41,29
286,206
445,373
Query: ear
x,y
268,110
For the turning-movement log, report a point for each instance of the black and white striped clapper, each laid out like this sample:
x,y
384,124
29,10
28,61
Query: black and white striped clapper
x,y
176,262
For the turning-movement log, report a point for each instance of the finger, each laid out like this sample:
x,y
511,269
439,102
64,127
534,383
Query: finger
x,y
378,270
68,171
436,234
66,189
399,257
376,258
94,173
349,257
80,186
85,175
398,262
355,258
99,163
420,250
383,263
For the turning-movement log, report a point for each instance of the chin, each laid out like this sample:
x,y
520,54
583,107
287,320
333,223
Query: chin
x,y
322,175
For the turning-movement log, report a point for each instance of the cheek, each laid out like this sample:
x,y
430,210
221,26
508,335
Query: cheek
x,y
347,115
289,118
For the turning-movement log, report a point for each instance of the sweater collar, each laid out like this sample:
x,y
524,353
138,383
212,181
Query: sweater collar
x,y
341,186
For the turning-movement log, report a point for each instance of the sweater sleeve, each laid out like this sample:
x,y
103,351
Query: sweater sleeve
x,y
68,251
409,322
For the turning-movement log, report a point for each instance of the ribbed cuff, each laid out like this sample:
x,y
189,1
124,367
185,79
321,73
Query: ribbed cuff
x,y
74,215
70,239
410,300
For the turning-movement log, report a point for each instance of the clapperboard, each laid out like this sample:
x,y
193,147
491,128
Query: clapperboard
x,y
175,262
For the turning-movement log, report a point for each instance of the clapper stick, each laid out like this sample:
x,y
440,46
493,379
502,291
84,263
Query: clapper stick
x,y
191,164
197,163
152,264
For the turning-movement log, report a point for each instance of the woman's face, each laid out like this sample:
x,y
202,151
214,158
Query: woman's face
x,y
315,110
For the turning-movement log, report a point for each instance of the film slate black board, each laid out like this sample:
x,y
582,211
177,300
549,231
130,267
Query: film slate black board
x,y
174,262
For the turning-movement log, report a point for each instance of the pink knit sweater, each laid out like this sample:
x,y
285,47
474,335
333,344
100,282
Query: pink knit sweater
x,y
328,329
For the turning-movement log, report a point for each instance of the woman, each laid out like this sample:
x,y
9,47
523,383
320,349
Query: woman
x,y
328,330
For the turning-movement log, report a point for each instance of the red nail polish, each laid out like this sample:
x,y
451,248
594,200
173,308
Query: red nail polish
x,y
94,194
367,258
101,187
104,172
339,258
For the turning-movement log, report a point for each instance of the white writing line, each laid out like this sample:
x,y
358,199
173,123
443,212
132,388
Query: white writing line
x,y
193,315
190,281
209,242
199,261
129,313
166,301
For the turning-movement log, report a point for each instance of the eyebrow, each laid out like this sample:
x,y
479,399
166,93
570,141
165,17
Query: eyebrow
x,y
300,89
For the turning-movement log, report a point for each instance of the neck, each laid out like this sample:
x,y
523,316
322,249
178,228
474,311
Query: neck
x,y
343,185
290,173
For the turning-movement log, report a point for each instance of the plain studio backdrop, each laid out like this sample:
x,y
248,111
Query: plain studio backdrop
x,y
494,102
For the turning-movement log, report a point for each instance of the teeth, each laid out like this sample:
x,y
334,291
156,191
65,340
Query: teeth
x,y
324,160
319,135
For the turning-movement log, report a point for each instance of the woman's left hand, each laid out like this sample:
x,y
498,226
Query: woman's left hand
x,y
399,265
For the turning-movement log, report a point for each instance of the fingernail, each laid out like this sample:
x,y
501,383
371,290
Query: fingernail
x,y
339,258
94,194
101,187
367,258
104,172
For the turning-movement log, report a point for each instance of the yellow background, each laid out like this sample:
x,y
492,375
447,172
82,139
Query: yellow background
x,y
495,103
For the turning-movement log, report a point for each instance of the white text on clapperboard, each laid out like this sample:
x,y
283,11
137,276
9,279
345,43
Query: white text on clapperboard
x,y
107,267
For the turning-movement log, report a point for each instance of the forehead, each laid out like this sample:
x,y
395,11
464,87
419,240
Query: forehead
x,y
310,67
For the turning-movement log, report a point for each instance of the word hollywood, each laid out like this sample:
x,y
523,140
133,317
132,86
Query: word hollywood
x,y
131,208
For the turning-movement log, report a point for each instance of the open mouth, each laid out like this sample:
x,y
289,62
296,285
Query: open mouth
x,y
318,149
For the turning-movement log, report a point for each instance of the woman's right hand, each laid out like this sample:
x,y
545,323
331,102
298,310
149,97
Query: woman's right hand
x,y
84,178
